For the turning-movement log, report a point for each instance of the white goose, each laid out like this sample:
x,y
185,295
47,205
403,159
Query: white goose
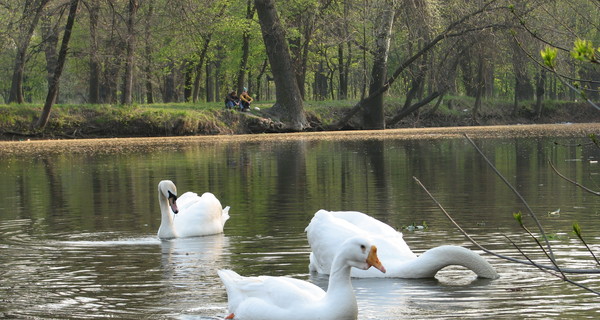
x,y
327,229
287,298
189,215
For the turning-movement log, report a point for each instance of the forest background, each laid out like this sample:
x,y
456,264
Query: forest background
x,y
163,67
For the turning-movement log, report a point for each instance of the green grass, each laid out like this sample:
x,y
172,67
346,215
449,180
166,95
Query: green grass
x,y
160,119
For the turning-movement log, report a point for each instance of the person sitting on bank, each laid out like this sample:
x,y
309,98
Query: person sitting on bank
x,y
232,101
246,99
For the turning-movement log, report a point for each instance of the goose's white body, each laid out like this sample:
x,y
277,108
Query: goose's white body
x,y
327,229
196,216
266,298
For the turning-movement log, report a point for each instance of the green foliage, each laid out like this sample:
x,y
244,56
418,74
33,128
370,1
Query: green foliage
x,y
584,50
577,229
519,217
549,57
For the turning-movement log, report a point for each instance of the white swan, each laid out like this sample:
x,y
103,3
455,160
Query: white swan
x,y
189,215
327,229
287,298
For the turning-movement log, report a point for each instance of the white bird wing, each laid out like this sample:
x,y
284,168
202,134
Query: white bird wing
x,y
276,292
186,200
327,230
389,241
199,215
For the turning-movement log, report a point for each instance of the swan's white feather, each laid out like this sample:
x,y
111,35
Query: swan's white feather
x,y
271,298
327,229
197,216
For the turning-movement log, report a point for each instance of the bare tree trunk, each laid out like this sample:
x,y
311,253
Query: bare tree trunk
x,y
94,81
344,59
261,73
480,87
32,8
289,106
148,52
241,77
373,115
188,83
321,84
343,72
199,66
50,43
62,57
523,87
219,57
169,94
128,77
210,83
539,93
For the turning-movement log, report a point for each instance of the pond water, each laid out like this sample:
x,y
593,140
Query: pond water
x,y
78,230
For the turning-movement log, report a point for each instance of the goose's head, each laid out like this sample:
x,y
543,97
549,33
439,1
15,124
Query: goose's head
x,y
361,254
168,190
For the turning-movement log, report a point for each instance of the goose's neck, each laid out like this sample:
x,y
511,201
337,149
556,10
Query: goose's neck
x,y
166,221
339,290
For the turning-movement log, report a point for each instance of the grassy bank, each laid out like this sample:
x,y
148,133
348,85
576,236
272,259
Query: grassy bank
x,y
177,119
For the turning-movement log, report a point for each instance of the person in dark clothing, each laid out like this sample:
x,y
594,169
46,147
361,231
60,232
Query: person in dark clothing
x,y
232,101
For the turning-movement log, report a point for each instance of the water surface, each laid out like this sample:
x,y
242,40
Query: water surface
x,y
78,230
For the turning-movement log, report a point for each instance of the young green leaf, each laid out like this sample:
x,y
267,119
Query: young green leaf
x,y
519,217
577,229
549,57
584,50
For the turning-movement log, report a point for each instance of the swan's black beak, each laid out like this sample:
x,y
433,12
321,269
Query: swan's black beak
x,y
173,202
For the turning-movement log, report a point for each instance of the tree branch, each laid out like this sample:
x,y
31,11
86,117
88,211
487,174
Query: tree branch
x,y
488,251
445,34
572,181
533,215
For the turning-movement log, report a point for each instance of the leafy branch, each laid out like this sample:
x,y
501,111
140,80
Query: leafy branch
x,y
553,269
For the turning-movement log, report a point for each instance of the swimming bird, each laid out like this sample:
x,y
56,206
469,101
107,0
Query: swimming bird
x,y
189,215
327,229
267,297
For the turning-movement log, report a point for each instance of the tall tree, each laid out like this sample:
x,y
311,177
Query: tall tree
x,y
241,78
149,85
289,106
457,28
62,56
50,34
32,12
129,53
373,114
94,79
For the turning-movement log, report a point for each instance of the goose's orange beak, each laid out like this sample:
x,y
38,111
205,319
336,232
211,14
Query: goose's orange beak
x,y
373,260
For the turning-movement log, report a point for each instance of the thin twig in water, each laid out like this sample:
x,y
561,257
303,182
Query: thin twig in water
x,y
562,275
529,262
520,220
514,190
577,230
573,181
486,250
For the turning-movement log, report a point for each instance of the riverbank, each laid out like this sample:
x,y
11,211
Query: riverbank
x,y
121,145
186,119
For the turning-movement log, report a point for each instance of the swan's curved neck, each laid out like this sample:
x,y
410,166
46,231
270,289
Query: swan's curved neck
x,y
166,229
433,260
